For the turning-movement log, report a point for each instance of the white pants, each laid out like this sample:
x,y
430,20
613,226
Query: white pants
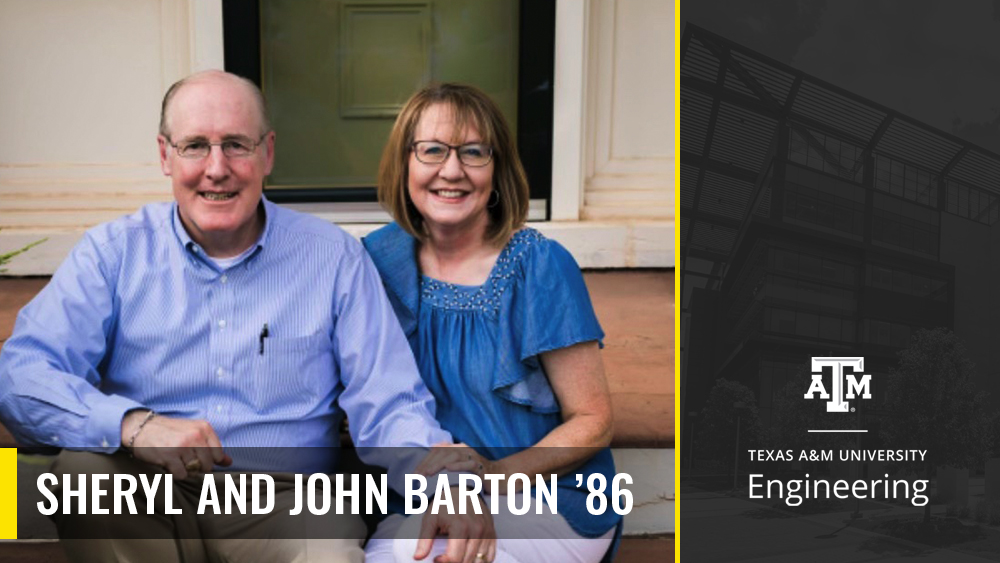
x,y
394,541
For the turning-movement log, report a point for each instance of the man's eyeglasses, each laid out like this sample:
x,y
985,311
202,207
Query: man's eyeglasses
x,y
471,154
233,147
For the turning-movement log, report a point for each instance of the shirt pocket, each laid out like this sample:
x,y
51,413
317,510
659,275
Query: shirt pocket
x,y
294,374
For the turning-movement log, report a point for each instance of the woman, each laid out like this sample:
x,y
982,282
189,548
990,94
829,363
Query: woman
x,y
499,320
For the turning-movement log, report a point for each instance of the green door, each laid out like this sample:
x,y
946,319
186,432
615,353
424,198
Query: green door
x,y
336,73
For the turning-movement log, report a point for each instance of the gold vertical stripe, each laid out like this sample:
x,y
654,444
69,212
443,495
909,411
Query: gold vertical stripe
x,y
678,438
8,493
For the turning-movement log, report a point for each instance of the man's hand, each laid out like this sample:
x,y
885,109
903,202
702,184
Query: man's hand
x,y
471,537
180,446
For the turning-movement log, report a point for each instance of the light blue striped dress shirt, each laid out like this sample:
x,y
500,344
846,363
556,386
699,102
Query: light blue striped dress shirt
x,y
137,317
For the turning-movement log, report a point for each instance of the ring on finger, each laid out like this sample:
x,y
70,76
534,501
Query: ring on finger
x,y
480,557
193,465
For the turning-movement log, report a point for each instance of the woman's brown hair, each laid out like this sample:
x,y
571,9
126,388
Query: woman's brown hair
x,y
470,107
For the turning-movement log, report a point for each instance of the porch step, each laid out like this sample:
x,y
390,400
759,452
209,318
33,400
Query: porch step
x,y
636,311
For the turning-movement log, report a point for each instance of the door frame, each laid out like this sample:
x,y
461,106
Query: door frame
x,y
536,70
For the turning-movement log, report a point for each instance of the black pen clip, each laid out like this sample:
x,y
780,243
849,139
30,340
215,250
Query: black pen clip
x,y
264,333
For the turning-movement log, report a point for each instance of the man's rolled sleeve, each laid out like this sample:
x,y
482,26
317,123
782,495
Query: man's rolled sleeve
x,y
106,418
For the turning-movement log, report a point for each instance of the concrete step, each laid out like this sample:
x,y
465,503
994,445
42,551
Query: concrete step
x,y
628,210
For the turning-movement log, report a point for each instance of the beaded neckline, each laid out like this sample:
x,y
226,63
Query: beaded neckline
x,y
486,297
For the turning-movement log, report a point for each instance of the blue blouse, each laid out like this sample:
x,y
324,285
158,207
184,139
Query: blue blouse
x,y
478,349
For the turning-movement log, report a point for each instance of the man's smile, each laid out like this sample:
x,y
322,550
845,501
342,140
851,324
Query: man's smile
x,y
217,196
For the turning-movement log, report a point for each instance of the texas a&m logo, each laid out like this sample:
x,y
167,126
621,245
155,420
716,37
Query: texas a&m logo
x,y
841,382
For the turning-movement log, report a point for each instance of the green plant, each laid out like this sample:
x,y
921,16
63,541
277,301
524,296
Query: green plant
x,y
4,258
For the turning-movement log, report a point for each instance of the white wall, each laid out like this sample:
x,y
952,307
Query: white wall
x,y
63,80
613,132
79,104
82,82
630,152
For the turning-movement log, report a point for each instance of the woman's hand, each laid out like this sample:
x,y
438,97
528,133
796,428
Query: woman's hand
x,y
458,457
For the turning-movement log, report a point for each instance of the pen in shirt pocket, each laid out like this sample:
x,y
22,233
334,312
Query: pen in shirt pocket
x,y
264,333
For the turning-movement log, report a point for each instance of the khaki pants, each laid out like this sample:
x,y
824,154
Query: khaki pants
x,y
193,538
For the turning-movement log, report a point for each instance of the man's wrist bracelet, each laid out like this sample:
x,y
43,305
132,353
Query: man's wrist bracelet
x,y
131,441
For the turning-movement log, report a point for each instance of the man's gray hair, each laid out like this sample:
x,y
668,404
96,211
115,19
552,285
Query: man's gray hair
x,y
265,121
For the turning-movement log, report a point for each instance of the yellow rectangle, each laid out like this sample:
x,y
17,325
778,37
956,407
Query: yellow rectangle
x,y
8,493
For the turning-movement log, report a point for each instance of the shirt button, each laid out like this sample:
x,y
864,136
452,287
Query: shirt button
x,y
224,278
104,443
55,438
220,372
222,323
218,408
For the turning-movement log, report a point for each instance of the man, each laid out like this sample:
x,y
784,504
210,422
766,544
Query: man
x,y
219,321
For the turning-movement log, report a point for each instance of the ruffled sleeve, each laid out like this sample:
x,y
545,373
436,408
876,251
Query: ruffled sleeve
x,y
548,308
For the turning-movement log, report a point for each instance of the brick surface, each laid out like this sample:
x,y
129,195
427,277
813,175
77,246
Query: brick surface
x,y
636,310
14,293
31,552
646,550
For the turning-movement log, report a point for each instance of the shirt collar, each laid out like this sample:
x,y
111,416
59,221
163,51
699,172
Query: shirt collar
x,y
270,211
